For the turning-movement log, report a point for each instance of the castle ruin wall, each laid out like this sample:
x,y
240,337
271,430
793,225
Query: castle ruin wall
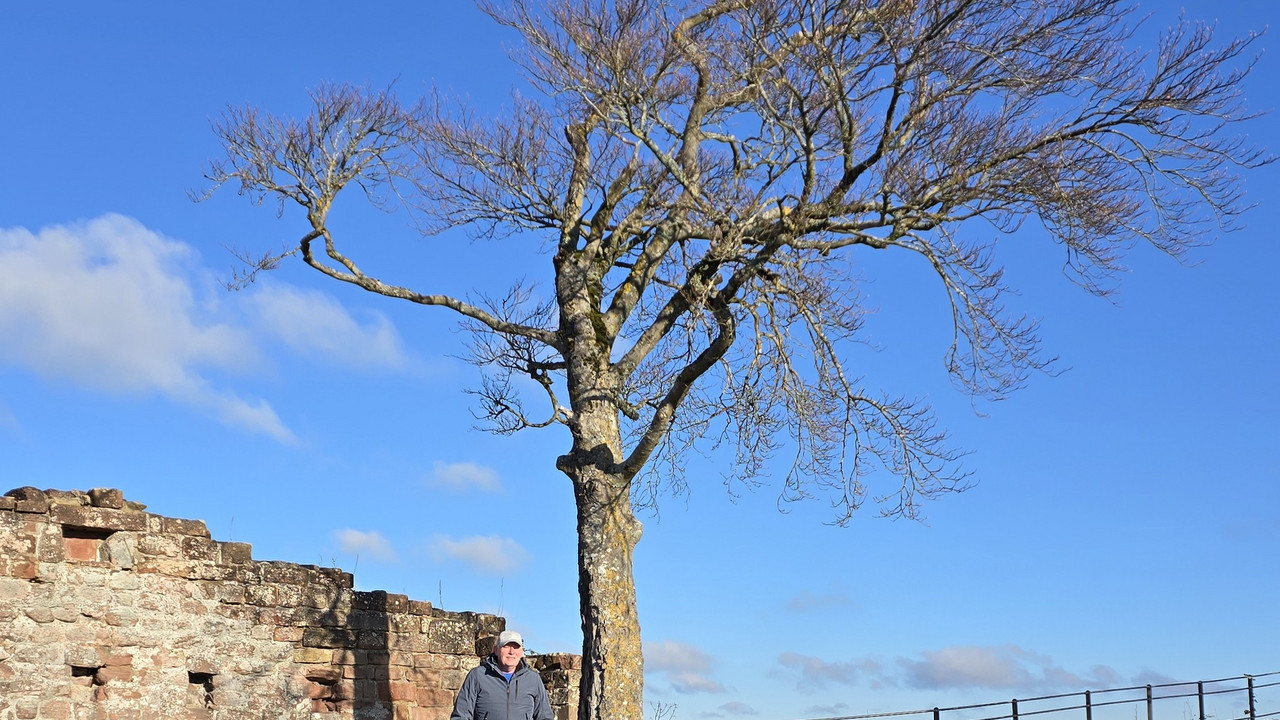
x,y
108,612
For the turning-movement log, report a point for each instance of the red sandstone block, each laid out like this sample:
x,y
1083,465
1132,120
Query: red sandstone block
x,y
403,690
287,634
82,549
56,710
323,675
24,569
435,697
423,677
430,713
119,673
401,658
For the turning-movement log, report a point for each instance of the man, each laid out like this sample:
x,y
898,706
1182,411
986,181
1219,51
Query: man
x,y
504,687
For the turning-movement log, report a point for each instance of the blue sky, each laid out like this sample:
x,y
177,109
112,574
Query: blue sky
x,y
1125,524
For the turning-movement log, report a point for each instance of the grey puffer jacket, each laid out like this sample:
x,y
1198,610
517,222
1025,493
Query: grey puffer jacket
x,y
486,695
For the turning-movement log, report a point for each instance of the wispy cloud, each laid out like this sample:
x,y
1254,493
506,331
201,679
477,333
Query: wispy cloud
x,y
313,323
962,667
365,544
997,667
686,668
730,709
108,305
461,476
816,673
836,709
489,554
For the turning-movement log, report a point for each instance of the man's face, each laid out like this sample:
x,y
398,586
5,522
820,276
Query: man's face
x,y
509,655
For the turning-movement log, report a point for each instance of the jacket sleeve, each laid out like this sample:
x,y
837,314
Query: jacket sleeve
x,y
542,703
464,706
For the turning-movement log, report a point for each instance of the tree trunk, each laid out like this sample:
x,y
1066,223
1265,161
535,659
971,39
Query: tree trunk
x,y
612,664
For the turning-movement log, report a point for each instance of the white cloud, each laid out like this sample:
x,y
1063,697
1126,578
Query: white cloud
x,y
371,544
106,304
311,322
817,673
490,554
685,667
734,708
460,476
1000,667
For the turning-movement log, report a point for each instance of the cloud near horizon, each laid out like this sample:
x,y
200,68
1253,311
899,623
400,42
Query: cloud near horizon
x,y
685,667
998,667
112,306
816,673
488,554
730,709
958,667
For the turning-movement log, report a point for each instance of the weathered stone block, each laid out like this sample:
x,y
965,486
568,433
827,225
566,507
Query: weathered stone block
x,y
29,500
312,655
106,498
380,600
434,697
198,548
236,553
119,551
98,518
178,526
328,638
282,572
158,545
7,503
451,636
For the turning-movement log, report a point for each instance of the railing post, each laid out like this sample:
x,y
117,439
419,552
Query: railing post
x,y
1150,710
1088,706
1253,710
937,714
1200,695
1015,709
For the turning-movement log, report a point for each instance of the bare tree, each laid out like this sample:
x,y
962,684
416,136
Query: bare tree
x,y
701,173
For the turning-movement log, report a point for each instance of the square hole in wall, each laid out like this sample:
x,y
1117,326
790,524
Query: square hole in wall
x,y
85,544
200,690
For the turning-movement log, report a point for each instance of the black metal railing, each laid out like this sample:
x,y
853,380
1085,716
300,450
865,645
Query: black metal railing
x,y
1234,698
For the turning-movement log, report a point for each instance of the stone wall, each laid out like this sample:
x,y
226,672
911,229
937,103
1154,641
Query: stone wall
x,y
108,612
